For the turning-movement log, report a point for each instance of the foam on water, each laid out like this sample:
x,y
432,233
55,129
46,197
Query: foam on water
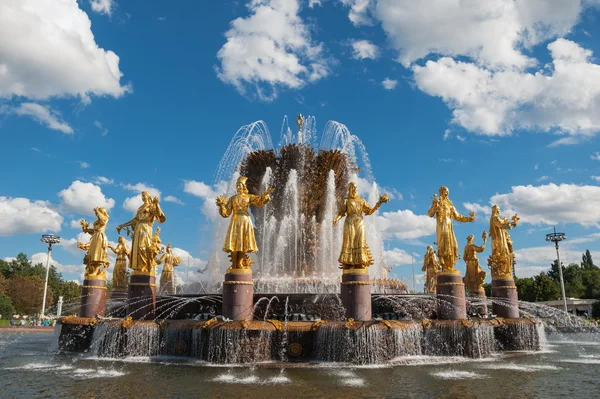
x,y
582,343
280,379
95,373
35,366
528,368
343,373
353,382
582,361
457,375
423,360
232,379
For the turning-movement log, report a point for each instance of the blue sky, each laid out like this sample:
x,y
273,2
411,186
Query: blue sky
x,y
100,99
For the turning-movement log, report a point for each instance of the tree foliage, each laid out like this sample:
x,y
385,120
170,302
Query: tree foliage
x,y
26,293
6,306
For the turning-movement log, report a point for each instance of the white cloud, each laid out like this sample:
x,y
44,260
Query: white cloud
x,y
103,180
533,260
199,189
83,197
595,156
543,178
103,6
74,223
103,130
132,204
270,49
597,178
47,49
389,84
312,3
364,49
21,216
404,225
175,200
492,33
43,115
83,165
396,256
552,204
477,208
564,99
359,11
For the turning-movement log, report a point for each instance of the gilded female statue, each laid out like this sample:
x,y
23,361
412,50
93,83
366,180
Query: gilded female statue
x,y
475,275
355,252
167,280
96,259
444,211
431,267
501,260
119,272
240,239
142,255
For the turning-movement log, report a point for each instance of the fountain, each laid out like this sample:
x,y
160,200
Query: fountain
x,y
291,301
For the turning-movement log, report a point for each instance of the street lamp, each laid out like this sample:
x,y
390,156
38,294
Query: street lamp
x,y
556,238
48,239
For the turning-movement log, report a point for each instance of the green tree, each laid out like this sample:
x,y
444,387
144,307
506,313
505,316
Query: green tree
x,y
6,306
3,283
586,260
525,289
545,288
573,276
70,291
591,281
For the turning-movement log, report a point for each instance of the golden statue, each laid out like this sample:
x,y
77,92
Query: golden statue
x,y
501,260
239,239
355,253
474,276
119,272
444,211
431,267
96,259
167,280
142,255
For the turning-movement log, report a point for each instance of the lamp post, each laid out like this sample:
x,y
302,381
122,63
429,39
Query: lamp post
x,y
48,239
556,238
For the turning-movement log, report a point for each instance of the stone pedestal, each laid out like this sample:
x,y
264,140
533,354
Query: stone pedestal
x,y
356,294
238,295
93,298
480,301
118,294
450,292
141,297
507,304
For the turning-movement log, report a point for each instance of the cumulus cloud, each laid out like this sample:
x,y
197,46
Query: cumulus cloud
x,y
552,204
534,260
404,225
103,180
492,33
82,198
132,204
83,165
563,99
359,11
270,49
396,256
389,84
477,208
21,216
595,156
175,200
47,49
42,257
364,49
207,193
43,115
103,6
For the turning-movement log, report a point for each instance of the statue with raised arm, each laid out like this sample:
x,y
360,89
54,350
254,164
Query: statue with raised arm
x,y
445,212
501,260
120,269
355,253
142,257
474,276
167,279
431,267
240,240
96,258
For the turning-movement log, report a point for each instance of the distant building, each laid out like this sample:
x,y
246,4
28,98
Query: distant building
x,y
574,305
